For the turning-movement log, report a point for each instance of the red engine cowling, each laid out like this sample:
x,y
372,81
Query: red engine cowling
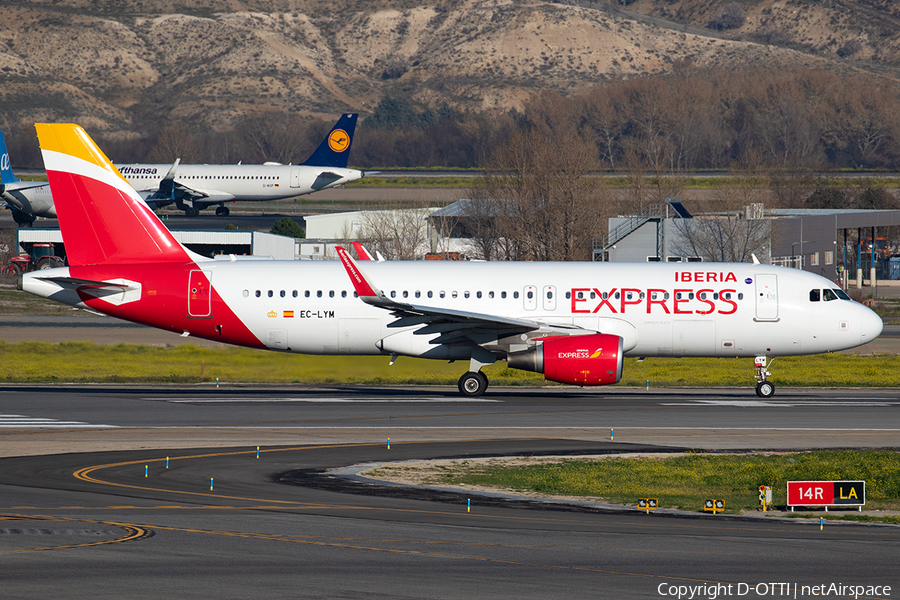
x,y
577,359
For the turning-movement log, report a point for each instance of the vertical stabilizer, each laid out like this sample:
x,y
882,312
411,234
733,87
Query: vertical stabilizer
x,y
334,151
6,174
102,218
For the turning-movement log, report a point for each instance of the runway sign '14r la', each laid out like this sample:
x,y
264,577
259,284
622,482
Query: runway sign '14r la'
x,y
826,493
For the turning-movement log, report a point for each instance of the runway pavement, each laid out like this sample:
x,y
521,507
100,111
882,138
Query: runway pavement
x,y
222,522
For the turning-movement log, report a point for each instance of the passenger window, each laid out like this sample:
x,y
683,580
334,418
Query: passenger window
x,y
530,295
271,293
516,295
549,295
703,295
246,293
418,294
814,295
593,295
283,293
490,294
306,294
405,294
666,295
568,295
393,294
740,295
453,294
430,294
443,294
294,293
343,293
617,295
829,295
605,295
331,294
690,295
466,294
580,295
318,293
678,295
503,294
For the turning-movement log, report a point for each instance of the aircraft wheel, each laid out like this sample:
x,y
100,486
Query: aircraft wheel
x,y
222,211
764,389
190,211
473,384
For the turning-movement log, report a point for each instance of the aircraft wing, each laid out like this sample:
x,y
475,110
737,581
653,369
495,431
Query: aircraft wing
x,y
454,326
170,190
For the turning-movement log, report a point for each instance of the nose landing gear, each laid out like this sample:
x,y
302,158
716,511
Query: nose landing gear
x,y
764,388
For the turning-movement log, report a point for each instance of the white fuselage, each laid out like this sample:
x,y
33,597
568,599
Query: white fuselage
x,y
223,183
37,201
703,309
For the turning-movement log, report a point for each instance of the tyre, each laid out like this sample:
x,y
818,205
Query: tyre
x,y
222,211
764,389
190,211
473,384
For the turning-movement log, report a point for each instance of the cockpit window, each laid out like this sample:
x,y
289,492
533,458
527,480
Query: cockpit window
x,y
815,295
840,294
829,295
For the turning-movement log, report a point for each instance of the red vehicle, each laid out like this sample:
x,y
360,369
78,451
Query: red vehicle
x,y
43,256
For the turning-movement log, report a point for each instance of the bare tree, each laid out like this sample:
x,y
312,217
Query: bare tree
x,y
736,229
549,207
398,233
174,141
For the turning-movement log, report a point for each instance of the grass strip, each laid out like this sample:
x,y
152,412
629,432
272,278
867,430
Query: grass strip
x,y
31,362
686,481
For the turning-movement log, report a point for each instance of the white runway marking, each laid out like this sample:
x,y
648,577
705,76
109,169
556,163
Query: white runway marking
x,y
327,400
781,403
23,422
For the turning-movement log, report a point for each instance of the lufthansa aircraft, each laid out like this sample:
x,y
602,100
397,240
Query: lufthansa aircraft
x,y
194,187
26,199
573,322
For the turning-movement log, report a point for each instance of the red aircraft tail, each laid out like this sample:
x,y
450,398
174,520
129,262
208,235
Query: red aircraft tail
x,y
102,218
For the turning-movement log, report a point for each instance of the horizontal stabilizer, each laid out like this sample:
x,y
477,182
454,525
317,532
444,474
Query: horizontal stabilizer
x,y
325,179
74,282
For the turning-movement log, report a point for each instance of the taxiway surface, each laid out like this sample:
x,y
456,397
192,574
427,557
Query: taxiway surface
x,y
106,524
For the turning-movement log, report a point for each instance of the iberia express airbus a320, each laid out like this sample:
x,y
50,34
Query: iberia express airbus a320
x,y
573,322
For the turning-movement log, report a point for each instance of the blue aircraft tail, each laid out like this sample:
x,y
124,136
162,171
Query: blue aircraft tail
x,y
6,174
335,148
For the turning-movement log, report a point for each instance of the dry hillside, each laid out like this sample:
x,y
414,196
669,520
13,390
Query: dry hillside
x,y
121,67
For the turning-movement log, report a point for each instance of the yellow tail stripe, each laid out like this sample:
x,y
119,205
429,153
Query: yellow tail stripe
x,y
71,140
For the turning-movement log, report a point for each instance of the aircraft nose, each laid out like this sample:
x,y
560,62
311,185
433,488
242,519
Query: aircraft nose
x,y
870,325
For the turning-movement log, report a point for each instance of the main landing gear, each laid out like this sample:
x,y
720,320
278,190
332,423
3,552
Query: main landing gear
x,y
473,384
764,388
222,211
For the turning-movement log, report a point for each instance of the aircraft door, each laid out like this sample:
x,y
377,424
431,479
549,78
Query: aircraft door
x,y
766,297
295,177
549,297
200,294
529,297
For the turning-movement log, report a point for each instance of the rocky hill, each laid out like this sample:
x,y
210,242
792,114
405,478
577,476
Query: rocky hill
x,y
122,67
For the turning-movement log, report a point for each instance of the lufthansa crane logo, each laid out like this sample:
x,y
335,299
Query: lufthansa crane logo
x,y
338,140
4,162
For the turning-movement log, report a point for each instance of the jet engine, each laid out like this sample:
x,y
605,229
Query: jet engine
x,y
580,359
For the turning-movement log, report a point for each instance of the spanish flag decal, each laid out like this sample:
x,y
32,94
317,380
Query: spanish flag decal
x,y
288,314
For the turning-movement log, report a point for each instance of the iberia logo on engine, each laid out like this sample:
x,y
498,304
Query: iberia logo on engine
x,y
338,140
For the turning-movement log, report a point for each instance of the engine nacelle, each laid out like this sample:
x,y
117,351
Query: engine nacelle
x,y
577,359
